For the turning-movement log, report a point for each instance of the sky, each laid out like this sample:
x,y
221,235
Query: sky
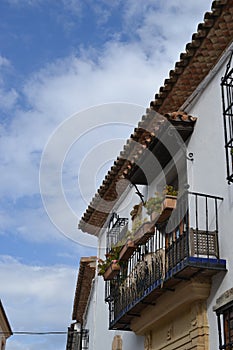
x,y
75,77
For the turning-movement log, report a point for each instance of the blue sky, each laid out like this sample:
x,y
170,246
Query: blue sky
x,y
59,58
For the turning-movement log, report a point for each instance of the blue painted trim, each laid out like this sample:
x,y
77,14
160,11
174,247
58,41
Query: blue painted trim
x,y
206,263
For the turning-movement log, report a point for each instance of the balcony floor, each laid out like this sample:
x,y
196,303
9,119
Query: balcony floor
x,y
184,270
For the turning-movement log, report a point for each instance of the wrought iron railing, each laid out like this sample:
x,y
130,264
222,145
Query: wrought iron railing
x,y
191,231
227,105
116,233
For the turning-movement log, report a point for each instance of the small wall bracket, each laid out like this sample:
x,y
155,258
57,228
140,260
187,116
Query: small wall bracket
x,y
190,156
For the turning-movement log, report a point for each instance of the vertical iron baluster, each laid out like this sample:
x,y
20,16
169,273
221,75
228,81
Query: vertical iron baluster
x,y
216,215
187,224
229,328
227,106
216,228
197,228
207,227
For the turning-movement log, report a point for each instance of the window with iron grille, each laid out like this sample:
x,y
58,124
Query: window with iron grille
x,y
227,105
225,327
77,340
85,339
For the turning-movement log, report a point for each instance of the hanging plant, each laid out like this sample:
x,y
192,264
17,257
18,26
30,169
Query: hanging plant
x,y
136,212
111,257
170,191
153,204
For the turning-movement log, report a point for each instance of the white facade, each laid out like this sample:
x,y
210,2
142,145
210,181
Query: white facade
x,y
207,174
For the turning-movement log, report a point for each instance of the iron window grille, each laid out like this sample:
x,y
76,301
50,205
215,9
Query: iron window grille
x,y
77,340
227,105
225,326
116,231
85,339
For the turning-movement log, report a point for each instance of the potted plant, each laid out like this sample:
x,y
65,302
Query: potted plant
x,y
153,206
170,191
127,250
142,230
110,267
160,206
169,203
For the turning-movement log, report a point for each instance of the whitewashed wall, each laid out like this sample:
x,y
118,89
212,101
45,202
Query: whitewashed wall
x,y
207,174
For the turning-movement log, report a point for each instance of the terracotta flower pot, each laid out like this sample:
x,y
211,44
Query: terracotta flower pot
x,y
168,205
144,232
127,250
111,271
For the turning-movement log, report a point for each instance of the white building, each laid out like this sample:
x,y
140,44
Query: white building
x,y
78,335
174,285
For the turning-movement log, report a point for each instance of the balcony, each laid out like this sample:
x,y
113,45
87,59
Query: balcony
x,y
181,247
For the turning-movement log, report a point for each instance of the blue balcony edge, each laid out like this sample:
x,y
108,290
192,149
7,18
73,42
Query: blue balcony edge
x,y
155,285
209,263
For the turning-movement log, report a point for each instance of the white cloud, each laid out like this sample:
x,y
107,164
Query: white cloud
x,y
164,27
24,2
119,72
4,220
58,91
74,6
4,62
35,298
8,98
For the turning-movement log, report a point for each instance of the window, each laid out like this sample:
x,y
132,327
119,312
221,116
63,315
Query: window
x,y
227,105
77,339
225,326
85,339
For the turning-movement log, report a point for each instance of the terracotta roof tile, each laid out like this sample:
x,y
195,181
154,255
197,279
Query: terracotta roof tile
x,y
212,38
83,287
5,325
